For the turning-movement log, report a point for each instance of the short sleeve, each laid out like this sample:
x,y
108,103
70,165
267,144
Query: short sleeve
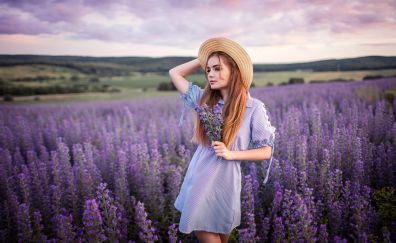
x,y
262,132
192,95
190,98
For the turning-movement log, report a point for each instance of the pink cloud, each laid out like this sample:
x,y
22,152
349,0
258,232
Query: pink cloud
x,y
14,24
176,22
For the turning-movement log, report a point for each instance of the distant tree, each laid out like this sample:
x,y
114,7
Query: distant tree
x,y
172,86
94,80
317,81
162,86
340,80
41,78
367,77
390,96
114,90
296,80
74,78
166,86
77,88
8,98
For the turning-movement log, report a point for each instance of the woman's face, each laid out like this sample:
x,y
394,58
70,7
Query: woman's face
x,y
218,73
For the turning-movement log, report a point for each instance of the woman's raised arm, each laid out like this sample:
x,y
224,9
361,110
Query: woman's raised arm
x,y
178,74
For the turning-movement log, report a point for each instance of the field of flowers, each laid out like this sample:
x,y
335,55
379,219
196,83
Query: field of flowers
x,y
110,171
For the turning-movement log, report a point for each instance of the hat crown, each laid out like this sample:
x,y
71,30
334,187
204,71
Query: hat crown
x,y
234,50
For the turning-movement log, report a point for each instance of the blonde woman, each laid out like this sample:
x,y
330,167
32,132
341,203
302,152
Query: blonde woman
x,y
210,196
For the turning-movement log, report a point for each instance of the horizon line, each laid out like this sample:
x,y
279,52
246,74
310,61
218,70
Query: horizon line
x,y
171,56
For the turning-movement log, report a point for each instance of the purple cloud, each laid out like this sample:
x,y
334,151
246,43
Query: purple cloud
x,y
176,22
14,24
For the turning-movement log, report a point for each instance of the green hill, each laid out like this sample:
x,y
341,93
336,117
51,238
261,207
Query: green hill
x,y
119,66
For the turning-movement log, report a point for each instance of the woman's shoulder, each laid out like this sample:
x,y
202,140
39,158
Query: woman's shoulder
x,y
256,102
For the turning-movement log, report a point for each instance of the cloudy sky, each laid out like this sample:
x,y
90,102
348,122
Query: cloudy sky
x,y
272,31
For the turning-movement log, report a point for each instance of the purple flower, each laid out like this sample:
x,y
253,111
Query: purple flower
x,y
248,233
65,229
112,214
38,235
172,232
323,235
212,120
279,230
93,223
24,223
147,233
334,150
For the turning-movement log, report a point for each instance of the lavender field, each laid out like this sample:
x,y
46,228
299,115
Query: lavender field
x,y
110,171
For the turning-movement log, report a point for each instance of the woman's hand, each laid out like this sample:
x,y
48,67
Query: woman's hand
x,y
222,150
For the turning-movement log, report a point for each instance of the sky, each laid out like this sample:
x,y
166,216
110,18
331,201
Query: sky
x,y
271,31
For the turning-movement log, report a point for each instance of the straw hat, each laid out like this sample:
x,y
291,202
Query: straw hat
x,y
234,50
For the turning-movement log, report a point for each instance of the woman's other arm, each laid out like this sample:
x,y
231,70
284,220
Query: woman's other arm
x,y
260,153
178,74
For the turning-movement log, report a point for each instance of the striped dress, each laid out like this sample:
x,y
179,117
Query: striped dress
x,y
210,195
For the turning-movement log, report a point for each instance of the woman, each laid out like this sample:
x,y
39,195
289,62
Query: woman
x,y
210,195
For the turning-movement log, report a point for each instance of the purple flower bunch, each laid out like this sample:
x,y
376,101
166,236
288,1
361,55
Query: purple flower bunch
x,y
212,120
93,222
147,232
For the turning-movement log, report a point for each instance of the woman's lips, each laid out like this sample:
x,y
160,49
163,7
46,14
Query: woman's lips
x,y
212,82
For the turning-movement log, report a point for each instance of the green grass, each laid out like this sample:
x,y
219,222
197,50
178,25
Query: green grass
x,y
132,86
136,81
151,80
279,77
125,94
20,71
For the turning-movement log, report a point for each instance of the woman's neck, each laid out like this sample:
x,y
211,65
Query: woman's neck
x,y
224,94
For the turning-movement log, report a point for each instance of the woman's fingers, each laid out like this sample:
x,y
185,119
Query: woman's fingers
x,y
219,153
217,143
219,148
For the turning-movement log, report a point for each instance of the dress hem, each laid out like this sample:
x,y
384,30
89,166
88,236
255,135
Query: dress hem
x,y
209,230
206,229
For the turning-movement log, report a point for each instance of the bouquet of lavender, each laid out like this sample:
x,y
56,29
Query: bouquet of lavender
x,y
212,120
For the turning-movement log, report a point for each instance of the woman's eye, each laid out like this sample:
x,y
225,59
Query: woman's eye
x,y
216,69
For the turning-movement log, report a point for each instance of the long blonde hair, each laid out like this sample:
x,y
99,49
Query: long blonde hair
x,y
234,108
